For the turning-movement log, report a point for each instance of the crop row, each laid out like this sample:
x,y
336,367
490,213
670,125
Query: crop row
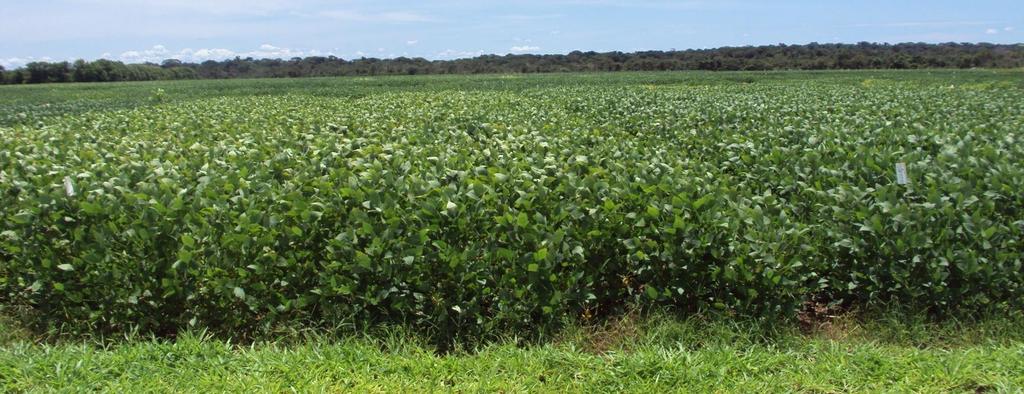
x,y
482,212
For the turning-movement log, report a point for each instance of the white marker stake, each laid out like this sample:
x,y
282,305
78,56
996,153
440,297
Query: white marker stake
x,y
69,187
901,174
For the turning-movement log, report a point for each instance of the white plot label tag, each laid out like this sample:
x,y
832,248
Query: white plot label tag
x,y
69,187
901,174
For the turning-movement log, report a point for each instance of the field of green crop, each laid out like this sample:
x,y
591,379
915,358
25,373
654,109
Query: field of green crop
x,y
476,206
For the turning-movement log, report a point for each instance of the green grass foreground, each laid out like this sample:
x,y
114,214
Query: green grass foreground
x,y
643,355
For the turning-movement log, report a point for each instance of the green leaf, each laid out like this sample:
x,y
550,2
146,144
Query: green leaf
x,y
66,267
703,200
533,267
22,218
651,291
363,260
239,293
90,208
11,235
541,254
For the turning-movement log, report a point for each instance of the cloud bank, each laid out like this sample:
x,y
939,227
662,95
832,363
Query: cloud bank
x,y
524,48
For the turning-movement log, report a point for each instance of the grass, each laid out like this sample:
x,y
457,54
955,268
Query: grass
x,y
629,354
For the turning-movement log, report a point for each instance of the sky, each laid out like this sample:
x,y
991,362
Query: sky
x,y
197,30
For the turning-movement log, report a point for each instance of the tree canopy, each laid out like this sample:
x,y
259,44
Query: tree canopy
x,y
811,56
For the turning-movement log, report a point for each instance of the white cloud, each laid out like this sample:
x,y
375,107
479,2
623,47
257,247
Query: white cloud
x,y
268,51
448,54
155,54
201,7
412,42
924,24
527,18
991,31
648,4
159,53
210,54
15,62
391,16
1008,28
317,52
523,48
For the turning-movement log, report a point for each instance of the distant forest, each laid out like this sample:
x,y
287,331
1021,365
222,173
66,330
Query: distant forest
x,y
812,56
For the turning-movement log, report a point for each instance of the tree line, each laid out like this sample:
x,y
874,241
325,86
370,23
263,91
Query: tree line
x,y
812,56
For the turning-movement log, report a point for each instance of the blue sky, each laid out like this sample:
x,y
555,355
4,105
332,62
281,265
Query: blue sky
x,y
197,30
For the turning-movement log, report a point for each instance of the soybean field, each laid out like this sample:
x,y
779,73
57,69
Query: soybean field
x,y
474,206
